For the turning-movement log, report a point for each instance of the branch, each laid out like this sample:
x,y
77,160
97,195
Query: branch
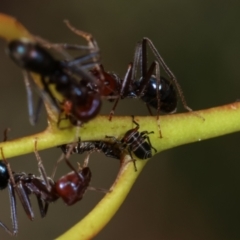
x,y
177,129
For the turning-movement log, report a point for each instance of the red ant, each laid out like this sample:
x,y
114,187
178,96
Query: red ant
x,y
155,90
70,187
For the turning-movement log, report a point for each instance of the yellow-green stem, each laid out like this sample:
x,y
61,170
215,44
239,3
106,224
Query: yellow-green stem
x,y
177,129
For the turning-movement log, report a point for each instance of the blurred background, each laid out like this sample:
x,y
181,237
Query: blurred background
x,y
190,192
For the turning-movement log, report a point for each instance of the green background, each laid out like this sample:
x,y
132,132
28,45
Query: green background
x,y
190,192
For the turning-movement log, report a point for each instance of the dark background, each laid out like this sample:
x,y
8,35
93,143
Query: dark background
x,y
190,192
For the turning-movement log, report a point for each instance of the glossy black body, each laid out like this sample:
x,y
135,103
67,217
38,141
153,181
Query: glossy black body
x,y
71,81
4,176
167,93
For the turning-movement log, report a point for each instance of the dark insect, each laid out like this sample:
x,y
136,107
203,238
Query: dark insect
x,y
155,90
136,142
74,85
109,149
70,187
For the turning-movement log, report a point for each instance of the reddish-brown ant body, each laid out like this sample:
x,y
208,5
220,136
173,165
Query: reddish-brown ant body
x,y
155,90
70,188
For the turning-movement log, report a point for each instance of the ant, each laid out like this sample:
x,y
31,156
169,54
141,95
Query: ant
x,y
70,187
155,90
110,150
71,80
135,141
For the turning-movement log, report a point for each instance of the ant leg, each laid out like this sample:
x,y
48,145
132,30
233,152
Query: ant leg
x,y
77,134
24,199
67,46
125,84
158,97
146,79
167,70
60,48
13,210
113,109
148,139
12,233
136,60
87,36
43,208
98,189
19,188
56,165
92,43
22,194
132,160
20,191
136,123
5,134
66,154
85,164
66,158
141,53
170,74
129,152
60,119
41,168
140,56
85,61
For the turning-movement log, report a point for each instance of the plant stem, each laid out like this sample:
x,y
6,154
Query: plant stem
x,y
177,129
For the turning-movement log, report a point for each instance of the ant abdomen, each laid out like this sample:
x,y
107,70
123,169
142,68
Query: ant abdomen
x,y
87,109
167,95
72,186
143,152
